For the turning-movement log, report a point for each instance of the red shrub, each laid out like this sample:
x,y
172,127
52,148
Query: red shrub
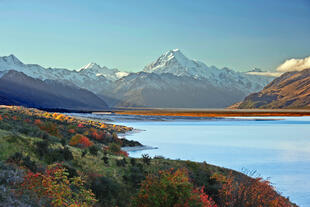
x,y
54,188
50,128
124,153
206,200
80,140
85,142
37,122
96,135
250,192
80,125
170,188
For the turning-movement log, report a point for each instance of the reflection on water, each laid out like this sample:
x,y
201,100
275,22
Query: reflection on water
x,y
278,149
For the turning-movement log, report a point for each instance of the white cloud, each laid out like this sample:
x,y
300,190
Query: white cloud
x,y
294,65
272,74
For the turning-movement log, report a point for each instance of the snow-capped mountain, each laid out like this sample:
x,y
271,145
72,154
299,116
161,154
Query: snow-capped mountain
x,y
176,63
92,76
173,80
93,69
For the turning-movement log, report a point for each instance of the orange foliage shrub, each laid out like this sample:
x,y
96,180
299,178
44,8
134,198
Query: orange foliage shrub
x,y
54,188
170,188
80,140
251,192
103,126
72,131
85,142
37,122
97,135
60,117
50,128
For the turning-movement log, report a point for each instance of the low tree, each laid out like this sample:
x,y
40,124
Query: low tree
x,y
170,189
54,188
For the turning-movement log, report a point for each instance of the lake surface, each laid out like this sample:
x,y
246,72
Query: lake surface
x,y
277,149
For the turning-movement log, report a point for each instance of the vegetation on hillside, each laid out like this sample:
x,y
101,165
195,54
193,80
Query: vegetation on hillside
x,y
50,159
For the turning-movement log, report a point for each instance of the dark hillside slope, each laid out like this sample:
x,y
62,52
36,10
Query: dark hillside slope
x,y
291,90
16,88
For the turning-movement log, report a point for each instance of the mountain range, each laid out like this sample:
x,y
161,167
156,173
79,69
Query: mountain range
x,y
291,90
172,80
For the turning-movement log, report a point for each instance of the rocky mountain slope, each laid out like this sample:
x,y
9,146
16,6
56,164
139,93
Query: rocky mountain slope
x,y
16,88
168,90
291,90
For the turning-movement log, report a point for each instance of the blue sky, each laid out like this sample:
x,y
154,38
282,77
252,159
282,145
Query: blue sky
x,y
239,34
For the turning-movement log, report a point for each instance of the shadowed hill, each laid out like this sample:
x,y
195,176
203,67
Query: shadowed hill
x,y
291,90
16,88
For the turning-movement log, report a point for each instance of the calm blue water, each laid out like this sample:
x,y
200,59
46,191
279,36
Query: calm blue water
x,y
276,149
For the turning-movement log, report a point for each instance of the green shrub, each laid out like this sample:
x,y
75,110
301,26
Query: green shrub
x,y
93,150
106,190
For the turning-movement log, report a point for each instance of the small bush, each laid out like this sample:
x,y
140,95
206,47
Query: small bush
x,y
170,188
107,191
54,188
93,150
146,159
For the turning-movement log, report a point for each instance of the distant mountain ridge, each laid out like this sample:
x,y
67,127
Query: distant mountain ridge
x,y
191,82
81,78
16,88
291,90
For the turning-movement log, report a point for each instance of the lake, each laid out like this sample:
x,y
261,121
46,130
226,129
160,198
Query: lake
x,y
278,148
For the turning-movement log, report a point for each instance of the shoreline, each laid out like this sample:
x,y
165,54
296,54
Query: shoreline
x,y
213,112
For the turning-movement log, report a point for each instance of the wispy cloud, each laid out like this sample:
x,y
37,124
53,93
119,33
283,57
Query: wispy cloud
x,y
272,74
294,65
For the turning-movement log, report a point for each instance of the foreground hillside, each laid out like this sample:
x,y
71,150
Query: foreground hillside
x,y
50,159
291,90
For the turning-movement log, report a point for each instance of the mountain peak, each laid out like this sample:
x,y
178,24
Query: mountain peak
x,y
95,69
11,59
91,65
172,57
175,53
